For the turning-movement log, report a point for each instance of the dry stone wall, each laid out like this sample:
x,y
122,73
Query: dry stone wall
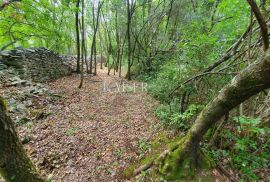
x,y
33,64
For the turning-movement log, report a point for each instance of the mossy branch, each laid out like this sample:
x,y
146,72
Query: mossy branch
x,y
156,160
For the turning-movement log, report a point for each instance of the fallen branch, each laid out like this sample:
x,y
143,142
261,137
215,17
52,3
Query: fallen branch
x,y
226,173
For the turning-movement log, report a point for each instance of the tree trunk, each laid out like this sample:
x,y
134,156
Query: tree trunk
x,y
93,41
95,25
14,163
95,58
101,48
250,81
128,76
85,51
83,45
117,35
262,23
77,35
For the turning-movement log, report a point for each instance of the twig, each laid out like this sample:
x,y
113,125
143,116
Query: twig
x,y
226,173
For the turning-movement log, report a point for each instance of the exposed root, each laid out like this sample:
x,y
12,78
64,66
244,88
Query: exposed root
x,y
143,168
177,162
155,160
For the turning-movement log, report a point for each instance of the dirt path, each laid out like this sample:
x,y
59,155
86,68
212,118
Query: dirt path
x,y
91,135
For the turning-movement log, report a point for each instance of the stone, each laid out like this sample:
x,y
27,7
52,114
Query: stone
x,y
37,64
28,103
20,107
12,101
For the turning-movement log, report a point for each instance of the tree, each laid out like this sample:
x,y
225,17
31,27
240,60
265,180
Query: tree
x,y
96,26
83,58
249,82
262,23
78,35
14,163
128,76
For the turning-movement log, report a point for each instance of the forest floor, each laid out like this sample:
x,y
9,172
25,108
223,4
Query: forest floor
x,y
88,134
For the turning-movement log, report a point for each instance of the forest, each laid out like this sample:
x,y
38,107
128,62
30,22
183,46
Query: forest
x,y
134,90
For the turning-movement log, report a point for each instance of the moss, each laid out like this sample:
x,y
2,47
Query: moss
x,y
157,146
128,172
160,139
3,103
210,133
171,167
206,161
179,165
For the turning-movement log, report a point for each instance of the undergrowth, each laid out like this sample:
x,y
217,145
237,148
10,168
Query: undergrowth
x,y
244,147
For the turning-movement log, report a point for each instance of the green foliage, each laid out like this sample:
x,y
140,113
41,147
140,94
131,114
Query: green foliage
x,y
119,152
250,125
249,148
175,119
22,121
50,178
3,103
170,44
143,146
190,112
38,23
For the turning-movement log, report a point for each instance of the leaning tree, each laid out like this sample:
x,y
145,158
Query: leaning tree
x,y
249,82
185,156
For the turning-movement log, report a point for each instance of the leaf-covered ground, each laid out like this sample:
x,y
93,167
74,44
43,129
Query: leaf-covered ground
x,y
90,134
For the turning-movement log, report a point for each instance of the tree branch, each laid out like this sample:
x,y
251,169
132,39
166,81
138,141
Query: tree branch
x,y
262,23
7,45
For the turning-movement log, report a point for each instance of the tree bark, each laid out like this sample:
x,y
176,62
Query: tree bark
x,y
128,76
249,82
95,25
262,23
117,35
14,163
101,48
82,46
77,35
